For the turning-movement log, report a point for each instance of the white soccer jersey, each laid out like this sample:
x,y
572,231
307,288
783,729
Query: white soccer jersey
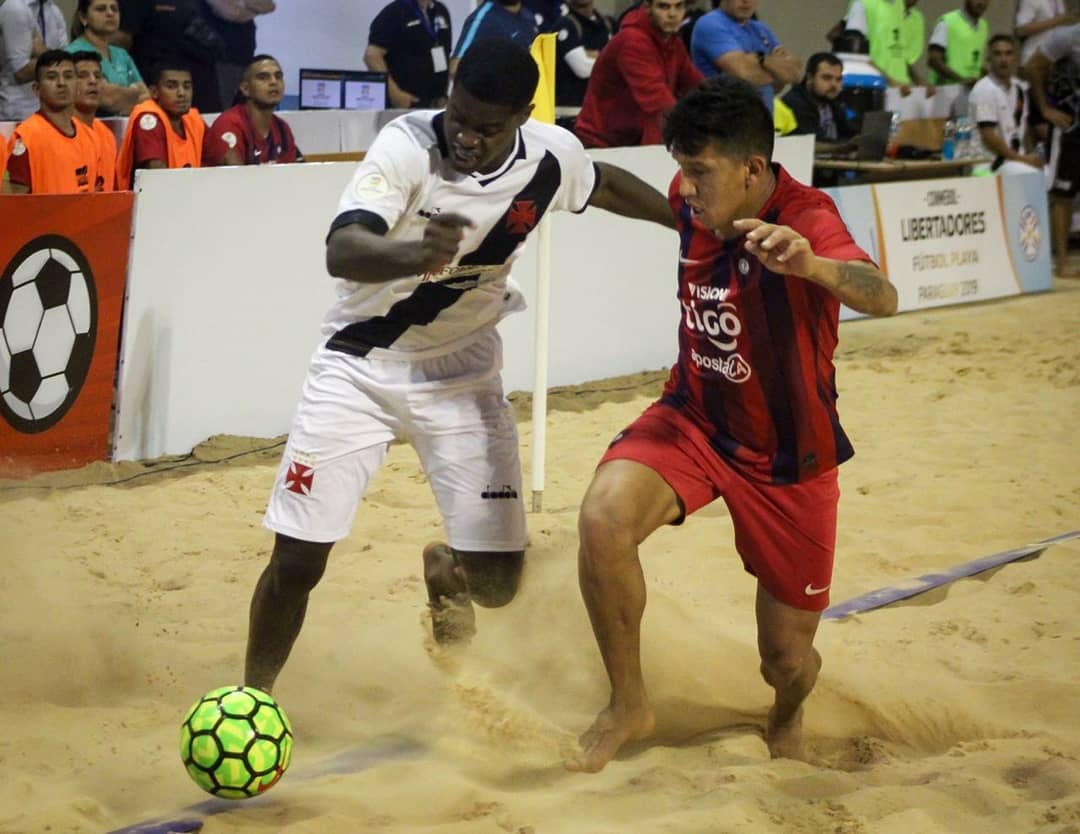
x,y
405,179
1006,109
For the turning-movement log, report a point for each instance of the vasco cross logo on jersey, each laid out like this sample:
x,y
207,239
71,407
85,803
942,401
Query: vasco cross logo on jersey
x,y
48,326
521,217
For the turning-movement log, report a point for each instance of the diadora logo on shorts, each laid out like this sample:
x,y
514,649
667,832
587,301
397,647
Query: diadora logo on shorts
x,y
506,491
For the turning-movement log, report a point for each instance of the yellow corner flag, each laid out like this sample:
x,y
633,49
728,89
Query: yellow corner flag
x,y
543,52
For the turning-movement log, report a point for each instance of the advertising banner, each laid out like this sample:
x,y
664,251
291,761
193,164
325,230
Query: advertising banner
x,y
64,260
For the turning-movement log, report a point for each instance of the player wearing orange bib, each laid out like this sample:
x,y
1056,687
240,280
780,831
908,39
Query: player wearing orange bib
x,y
165,131
87,98
51,152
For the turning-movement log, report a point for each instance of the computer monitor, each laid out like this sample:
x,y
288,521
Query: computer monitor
x,y
322,89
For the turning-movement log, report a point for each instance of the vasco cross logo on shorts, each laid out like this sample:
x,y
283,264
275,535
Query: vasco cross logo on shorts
x,y
299,478
521,217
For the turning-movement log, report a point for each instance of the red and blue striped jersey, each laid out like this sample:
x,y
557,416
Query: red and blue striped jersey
x,y
755,368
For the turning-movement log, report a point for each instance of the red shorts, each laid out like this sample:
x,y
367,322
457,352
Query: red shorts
x,y
785,533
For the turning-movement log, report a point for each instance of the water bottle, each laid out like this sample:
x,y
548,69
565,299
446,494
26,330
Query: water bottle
x,y
963,137
948,141
892,149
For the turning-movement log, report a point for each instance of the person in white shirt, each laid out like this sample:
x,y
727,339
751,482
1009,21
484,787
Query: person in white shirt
x,y
1035,19
422,246
999,104
27,29
1056,91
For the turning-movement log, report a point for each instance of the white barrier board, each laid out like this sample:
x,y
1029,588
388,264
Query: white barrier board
x,y
227,287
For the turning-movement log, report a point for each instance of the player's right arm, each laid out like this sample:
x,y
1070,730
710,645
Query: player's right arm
x,y
361,252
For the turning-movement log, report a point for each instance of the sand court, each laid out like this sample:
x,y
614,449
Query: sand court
x,y
125,590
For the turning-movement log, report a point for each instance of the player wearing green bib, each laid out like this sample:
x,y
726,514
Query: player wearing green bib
x,y
958,45
881,21
912,40
895,31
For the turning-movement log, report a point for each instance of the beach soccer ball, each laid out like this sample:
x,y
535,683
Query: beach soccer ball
x,y
236,742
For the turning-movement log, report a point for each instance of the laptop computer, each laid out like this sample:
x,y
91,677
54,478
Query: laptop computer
x,y
874,135
322,89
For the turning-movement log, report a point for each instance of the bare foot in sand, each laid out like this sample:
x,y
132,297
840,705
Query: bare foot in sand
x,y
452,618
785,740
609,732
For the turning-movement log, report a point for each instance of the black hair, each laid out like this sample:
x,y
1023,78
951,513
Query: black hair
x,y
725,111
497,71
87,55
167,63
819,58
263,57
51,58
1001,37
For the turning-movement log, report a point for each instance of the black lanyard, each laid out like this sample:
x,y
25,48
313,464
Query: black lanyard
x,y
41,18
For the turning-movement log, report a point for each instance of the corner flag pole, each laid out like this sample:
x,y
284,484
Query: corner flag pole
x,y
543,52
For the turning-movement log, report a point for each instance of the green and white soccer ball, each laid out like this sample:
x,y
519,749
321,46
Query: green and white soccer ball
x,y
236,742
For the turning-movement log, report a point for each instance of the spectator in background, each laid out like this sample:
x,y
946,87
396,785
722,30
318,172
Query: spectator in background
x,y
410,41
694,13
88,80
1036,19
999,103
815,104
51,152
234,21
637,78
1060,108
546,14
164,131
27,29
508,19
121,86
249,133
583,32
958,45
913,38
174,32
731,39
896,31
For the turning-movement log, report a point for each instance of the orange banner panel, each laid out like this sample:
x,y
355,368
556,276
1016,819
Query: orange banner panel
x,y
64,260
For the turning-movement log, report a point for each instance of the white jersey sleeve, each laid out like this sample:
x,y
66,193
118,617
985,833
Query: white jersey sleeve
x,y
579,176
983,101
940,35
386,181
856,17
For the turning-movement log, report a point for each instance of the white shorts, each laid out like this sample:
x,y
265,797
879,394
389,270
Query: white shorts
x,y
451,409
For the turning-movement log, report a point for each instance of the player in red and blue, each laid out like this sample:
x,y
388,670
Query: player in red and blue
x,y
748,413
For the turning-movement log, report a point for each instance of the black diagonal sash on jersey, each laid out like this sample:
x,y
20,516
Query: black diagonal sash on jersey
x,y
431,297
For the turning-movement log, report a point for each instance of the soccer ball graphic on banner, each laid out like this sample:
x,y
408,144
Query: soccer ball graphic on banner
x,y
48,323
236,742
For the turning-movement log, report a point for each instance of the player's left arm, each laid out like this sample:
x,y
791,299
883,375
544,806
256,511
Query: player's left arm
x,y
621,192
858,284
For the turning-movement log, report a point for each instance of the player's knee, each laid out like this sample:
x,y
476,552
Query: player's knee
x,y
780,665
493,577
604,530
297,566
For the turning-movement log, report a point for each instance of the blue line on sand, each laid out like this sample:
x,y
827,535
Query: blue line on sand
x,y
191,818
885,596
